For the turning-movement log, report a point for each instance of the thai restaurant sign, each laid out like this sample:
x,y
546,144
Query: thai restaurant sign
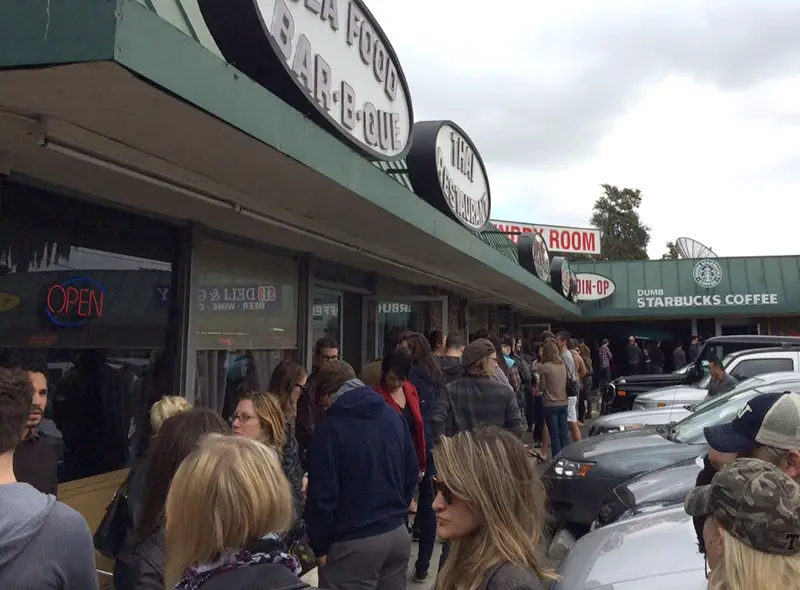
x,y
329,59
447,171
568,240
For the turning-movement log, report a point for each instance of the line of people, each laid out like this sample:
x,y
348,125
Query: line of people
x,y
319,471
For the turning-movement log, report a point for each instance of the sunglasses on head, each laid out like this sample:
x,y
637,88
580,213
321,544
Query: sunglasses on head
x,y
441,488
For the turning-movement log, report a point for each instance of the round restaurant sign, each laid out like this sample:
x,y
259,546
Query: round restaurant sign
x,y
560,275
446,170
533,255
328,59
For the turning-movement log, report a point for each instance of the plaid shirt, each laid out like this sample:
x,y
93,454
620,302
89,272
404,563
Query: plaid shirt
x,y
605,356
474,401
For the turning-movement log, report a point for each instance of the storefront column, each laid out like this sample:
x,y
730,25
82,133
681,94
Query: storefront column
x,y
457,316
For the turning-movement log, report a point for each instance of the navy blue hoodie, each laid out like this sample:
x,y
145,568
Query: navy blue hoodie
x,y
428,395
362,469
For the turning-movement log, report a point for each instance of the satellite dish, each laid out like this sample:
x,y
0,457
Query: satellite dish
x,y
690,248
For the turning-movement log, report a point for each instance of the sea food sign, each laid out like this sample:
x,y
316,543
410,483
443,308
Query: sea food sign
x,y
446,170
328,59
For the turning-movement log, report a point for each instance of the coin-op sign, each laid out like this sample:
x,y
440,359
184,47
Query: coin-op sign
x,y
447,171
328,59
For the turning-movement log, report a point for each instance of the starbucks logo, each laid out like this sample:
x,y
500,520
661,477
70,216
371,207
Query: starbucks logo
x,y
707,273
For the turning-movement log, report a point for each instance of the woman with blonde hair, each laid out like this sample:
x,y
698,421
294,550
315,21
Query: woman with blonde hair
x,y
259,416
228,505
490,508
141,565
166,407
752,527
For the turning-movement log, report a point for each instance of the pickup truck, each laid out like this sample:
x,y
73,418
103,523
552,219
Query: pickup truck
x,y
621,393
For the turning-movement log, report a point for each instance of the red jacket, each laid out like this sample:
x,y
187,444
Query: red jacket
x,y
412,399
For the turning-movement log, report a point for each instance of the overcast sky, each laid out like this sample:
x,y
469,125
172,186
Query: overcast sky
x,y
696,103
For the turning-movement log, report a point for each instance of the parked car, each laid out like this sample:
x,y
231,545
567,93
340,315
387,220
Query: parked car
x,y
637,419
741,365
584,472
649,492
621,393
656,551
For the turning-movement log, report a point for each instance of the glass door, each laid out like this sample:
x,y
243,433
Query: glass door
x,y
326,316
418,314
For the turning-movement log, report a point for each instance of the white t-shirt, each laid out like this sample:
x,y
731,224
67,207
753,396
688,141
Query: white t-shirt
x,y
566,356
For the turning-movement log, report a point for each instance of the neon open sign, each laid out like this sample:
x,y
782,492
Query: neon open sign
x,y
73,303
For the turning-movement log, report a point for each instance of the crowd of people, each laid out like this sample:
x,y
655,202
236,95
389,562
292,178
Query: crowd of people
x,y
340,472
327,470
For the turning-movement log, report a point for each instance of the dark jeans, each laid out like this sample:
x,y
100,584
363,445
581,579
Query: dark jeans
x,y
658,370
425,522
538,418
556,419
445,553
529,410
633,368
583,400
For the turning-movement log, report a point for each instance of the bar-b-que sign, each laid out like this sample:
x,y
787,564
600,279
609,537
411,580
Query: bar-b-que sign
x,y
328,59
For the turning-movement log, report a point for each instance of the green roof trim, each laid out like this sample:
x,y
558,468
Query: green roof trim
x,y
399,171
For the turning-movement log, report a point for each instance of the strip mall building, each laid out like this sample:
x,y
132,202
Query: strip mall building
x,y
172,223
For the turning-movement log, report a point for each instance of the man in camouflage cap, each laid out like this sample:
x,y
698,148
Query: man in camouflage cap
x,y
755,502
766,428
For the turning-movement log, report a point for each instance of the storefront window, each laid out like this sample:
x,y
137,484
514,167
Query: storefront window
x,y
85,294
326,315
245,316
415,315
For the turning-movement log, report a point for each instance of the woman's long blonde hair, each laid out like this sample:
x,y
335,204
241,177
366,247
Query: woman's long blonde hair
x,y
230,491
744,568
489,469
271,417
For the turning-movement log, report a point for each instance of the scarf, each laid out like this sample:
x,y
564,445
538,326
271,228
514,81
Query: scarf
x,y
268,549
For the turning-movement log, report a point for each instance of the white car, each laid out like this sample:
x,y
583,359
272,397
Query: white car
x,y
637,419
654,551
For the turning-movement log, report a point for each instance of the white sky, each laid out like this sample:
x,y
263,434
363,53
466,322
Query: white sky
x,y
695,102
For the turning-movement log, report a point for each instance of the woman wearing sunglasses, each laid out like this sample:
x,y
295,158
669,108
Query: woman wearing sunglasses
x,y
490,508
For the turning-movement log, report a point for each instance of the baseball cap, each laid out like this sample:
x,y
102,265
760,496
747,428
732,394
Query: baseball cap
x,y
476,350
770,419
755,502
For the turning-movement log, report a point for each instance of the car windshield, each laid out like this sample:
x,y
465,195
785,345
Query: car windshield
x,y
718,410
743,386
